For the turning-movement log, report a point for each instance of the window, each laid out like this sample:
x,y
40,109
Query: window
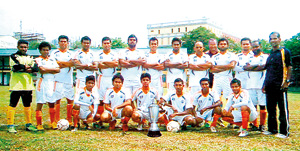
x,y
179,30
172,30
158,31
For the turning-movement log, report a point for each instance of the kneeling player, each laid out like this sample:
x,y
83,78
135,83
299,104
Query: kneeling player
x,y
143,98
239,109
206,103
117,104
45,85
180,106
83,107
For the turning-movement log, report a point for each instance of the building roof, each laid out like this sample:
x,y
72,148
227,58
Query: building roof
x,y
8,42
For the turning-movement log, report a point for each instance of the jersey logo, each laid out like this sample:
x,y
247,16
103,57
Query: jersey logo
x,y
91,100
173,99
112,96
141,97
80,57
101,57
81,98
121,96
182,101
151,96
209,99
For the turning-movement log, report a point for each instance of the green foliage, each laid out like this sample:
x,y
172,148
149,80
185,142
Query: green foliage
x,y
199,34
33,45
234,47
293,44
265,46
117,43
53,46
76,45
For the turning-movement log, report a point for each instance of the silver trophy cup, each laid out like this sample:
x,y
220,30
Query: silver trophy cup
x,y
154,130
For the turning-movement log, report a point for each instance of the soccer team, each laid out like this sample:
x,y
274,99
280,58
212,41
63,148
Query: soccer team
x,y
104,95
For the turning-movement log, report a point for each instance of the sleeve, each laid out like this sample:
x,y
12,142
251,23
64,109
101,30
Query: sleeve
x,y
238,67
229,102
52,55
244,101
106,97
15,63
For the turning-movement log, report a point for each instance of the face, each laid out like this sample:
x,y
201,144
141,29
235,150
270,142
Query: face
x,y
45,52
132,42
223,46
90,84
213,46
178,86
198,48
235,88
23,48
117,83
176,46
204,85
63,44
153,45
145,82
86,44
246,45
256,48
106,45
274,40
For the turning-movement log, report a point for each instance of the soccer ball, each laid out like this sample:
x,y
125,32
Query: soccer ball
x,y
63,124
173,126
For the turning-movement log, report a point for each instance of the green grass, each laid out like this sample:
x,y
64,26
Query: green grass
x,y
103,139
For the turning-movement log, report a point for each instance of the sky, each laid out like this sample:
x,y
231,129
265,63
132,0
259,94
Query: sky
x,y
255,19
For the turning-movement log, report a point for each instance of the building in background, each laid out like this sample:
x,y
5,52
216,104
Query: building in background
x,y
30,37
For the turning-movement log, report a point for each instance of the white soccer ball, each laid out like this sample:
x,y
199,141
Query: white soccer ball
x,y
173,126
63,124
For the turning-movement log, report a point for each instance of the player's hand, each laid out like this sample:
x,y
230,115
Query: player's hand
x,y
202,111
285,86
230,109
114,112
175,110
224,113
263,89
172,115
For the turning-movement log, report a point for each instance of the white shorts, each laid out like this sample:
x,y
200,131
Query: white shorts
x,y
119,112
207,115
132,85
144,115
237,116
194,89
44,91
84,112
63,90
257,97
222,84
103,83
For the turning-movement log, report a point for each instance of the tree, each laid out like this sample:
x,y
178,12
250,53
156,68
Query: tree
x,y
76,44
234,46
33,45
199,34
117,43
293,44
265,46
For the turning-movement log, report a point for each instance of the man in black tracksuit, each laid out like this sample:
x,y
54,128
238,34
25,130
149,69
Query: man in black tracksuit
x,y
275,86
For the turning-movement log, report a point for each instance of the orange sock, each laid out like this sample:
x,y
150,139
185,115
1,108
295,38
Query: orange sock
x,y
255,122
263,115
52,114
100,109
216,117
125,120
38,116
228,119
57,112
69,112
75,117
245,119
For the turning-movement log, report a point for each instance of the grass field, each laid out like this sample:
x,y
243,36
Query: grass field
x,y
103,139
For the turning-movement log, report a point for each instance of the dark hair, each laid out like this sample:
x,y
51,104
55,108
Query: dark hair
x,y
118,76
274,32
178,80
153,39
85,38
21,41
63,37
132,36
44,44
145,75
245,39
223,39
254,41
106,38
204,79
235,80
176,39
90,77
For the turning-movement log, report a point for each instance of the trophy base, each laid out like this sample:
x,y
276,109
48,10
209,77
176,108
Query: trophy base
x,y
154,134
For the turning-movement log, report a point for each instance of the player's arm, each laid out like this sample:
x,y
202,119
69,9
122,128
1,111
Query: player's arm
x,y
249,67
65,64
186,112
218,103
91,108
220,68
169,64
107,107
200,67
126,64
138,62
44,70
110,64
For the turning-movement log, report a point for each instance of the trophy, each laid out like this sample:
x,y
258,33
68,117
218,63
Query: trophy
x,y
154,130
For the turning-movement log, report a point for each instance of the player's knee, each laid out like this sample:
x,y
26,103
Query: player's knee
x,y
136,117
76,107
97,117
245,108
127,111
105,117
218,110
199,120
190,120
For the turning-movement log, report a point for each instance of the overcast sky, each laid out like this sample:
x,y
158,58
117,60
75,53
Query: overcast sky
x,y
120,18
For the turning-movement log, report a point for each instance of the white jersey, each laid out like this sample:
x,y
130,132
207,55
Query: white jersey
x,y
109,72
174,73
84,58
223,59
133,73
256,78
145,100
116,98
153,58
181,103
201,101
47,63
196,76
242,99
66,74
240,73
85,97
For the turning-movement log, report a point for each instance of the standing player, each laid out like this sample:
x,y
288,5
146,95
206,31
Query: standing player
x,y
117,103
243,58
176,63
83,108
199,63
154,65
180,105
206,103
63,79
21,85
213,50
45,84
131,61
239,109
255,82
